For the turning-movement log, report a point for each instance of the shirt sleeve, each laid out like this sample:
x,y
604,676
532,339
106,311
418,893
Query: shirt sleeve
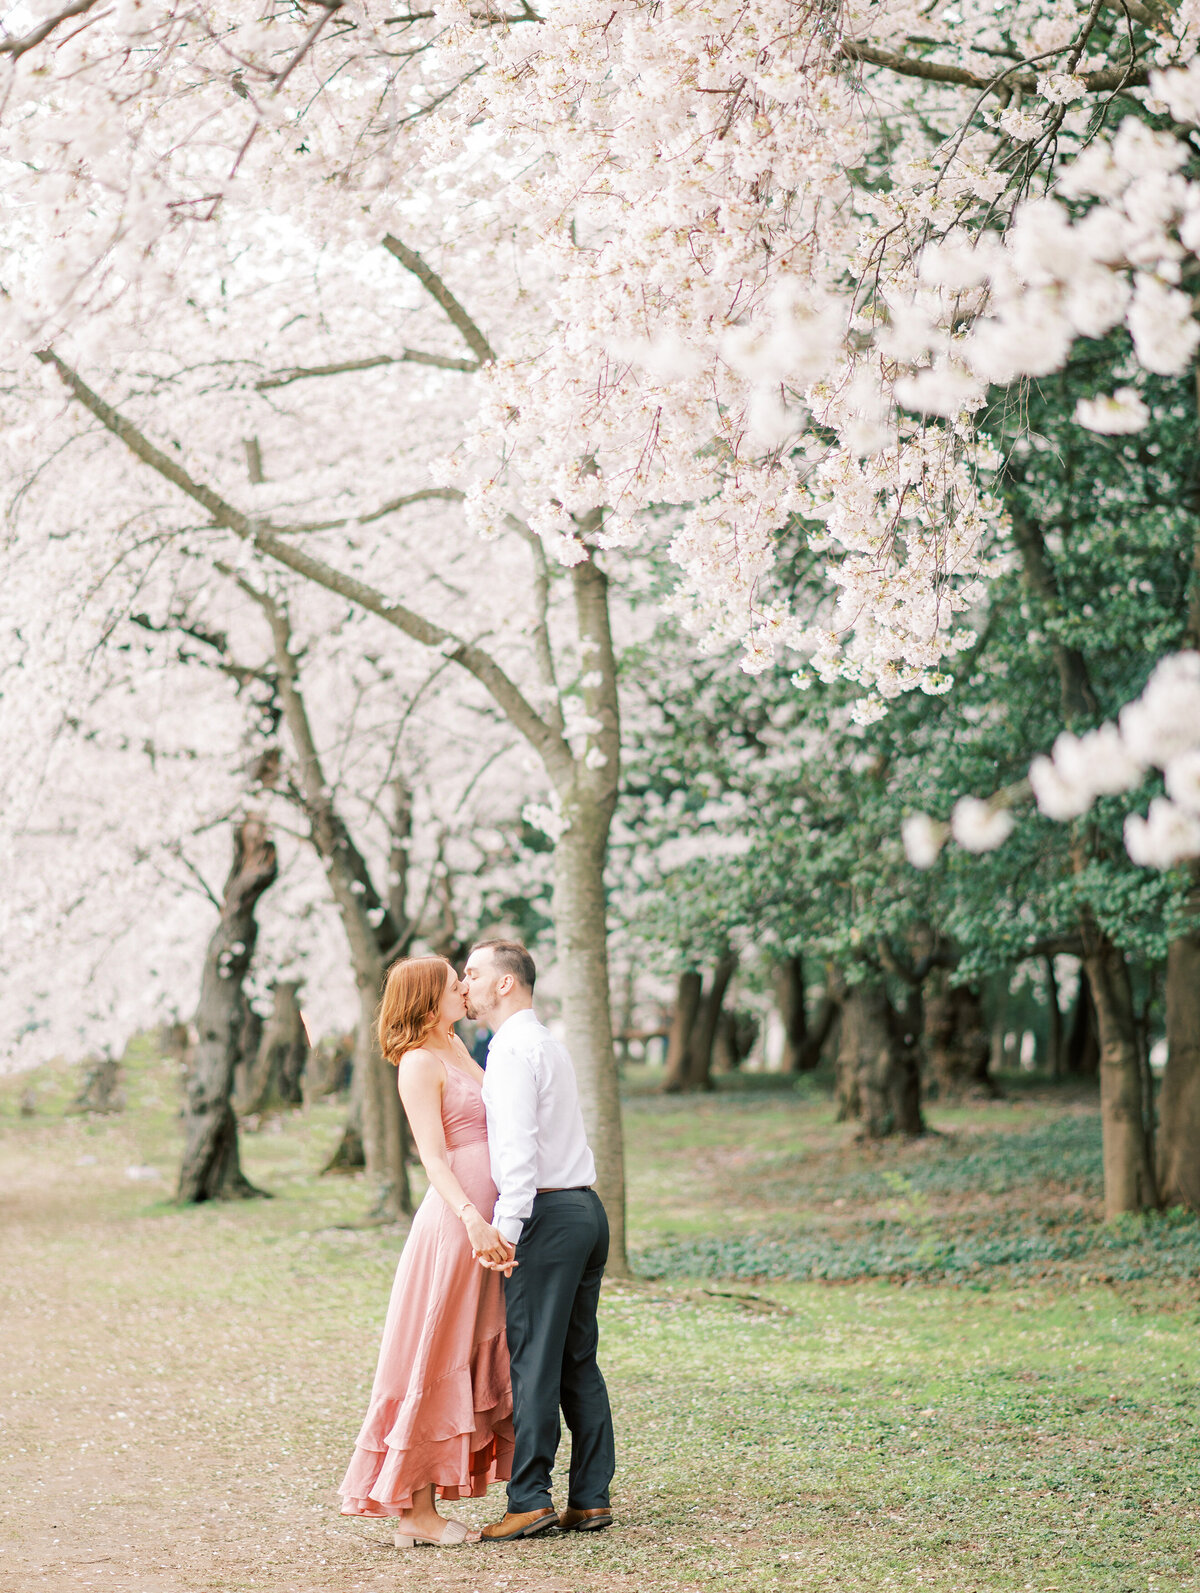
x,y
511,1099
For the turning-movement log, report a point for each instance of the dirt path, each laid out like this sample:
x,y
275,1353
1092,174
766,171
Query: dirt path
x,y
179,1394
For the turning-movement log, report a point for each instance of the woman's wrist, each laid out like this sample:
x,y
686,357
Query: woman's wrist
x,y
466,1206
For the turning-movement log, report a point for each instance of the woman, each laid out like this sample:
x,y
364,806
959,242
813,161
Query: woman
x,y
440,1415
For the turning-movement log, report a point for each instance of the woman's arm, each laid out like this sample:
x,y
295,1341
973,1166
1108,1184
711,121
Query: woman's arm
x,y
420,1078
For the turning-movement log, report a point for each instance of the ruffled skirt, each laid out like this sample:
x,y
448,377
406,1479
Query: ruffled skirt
x,y
441,1404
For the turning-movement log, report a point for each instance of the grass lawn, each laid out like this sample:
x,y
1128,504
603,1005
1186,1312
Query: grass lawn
x,y
921,1366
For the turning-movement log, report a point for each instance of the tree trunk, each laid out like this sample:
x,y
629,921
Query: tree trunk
x,y
276,1070
330,1067
1083,1043
956,1040
349,1154
866,1055
1179,1101
581,939
877,1065
211,1167
905,1085
683,1022
370,933
1128,1174
249,1045
1054,1033
819,1031
789,1000
384,1138
704,1032
100,1090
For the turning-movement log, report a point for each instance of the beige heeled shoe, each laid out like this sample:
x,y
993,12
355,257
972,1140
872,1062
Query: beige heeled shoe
x,y
452,1534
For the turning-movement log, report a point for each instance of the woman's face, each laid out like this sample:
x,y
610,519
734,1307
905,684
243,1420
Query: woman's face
x,y
453,1005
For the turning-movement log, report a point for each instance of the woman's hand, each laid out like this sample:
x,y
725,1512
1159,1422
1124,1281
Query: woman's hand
x,y
488,1243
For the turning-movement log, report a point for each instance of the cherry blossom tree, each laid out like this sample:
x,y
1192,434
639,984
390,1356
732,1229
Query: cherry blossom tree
x,y
758,264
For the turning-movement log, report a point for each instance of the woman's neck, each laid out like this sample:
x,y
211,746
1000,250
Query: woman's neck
x,y
441,1037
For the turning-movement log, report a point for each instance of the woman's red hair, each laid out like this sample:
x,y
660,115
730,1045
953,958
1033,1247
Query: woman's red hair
x,y
412,999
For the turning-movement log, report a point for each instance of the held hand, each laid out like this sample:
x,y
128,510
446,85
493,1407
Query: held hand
x,y
488,1243
502,1263
499,1266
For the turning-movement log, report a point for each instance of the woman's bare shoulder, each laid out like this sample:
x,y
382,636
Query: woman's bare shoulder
x,y
420,1064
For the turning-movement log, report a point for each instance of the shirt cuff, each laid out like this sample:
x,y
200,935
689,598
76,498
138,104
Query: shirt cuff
x,y
510,1227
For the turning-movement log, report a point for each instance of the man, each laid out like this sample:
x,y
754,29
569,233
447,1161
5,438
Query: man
x,y
556,1225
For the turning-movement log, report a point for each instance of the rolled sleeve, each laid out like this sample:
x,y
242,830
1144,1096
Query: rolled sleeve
x,y
510,1096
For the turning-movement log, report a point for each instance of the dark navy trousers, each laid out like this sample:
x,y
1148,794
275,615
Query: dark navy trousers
x,y
550,1302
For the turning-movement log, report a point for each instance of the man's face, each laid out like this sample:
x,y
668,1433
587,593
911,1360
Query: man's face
x,y
481,980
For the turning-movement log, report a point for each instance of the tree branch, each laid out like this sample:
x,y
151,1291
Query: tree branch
x,y
437,290
408,356
1109,78
541,624
34,37
328,8
272,541
422,495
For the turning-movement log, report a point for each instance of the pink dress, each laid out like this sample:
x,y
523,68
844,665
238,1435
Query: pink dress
x,y
441,1405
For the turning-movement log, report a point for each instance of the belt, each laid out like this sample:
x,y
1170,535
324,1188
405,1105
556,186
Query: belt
x,y
567,1189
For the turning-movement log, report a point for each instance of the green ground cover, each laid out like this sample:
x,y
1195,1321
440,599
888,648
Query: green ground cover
x,y
181,1388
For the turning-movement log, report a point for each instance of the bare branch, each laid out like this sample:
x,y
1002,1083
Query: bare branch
x,y
942,72
34,37
437,290
328,7
423,495
272,541
408,356
178,853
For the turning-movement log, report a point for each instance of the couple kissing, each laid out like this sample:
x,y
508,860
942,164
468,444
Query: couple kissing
x,y
491,1327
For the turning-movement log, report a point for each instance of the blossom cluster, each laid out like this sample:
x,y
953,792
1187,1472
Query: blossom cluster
x,y
1158,730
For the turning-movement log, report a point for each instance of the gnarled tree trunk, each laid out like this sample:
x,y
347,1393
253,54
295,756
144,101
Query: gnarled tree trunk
x,y
956,1039
211,1167
878,1077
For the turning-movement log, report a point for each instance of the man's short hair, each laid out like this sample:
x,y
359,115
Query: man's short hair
x,y
510,957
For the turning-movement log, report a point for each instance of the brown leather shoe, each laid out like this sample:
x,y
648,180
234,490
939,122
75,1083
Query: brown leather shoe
x,y
526,1524
585,1520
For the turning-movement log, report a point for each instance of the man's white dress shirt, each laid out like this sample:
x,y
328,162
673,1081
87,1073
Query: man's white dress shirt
x,y
536,1138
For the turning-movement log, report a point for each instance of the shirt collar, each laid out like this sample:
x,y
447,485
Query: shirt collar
x,y
514,1021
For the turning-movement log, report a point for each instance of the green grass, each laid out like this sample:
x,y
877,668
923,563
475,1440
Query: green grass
x,y
181,1388
771,1186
